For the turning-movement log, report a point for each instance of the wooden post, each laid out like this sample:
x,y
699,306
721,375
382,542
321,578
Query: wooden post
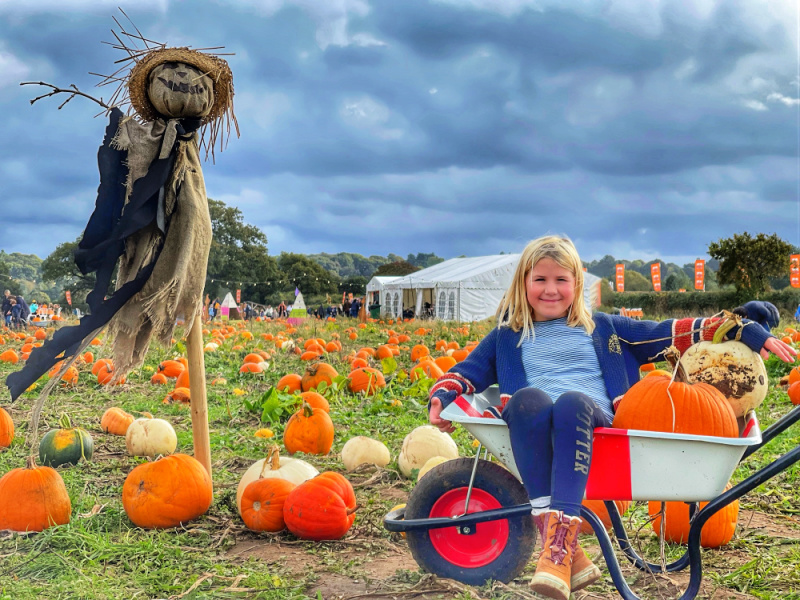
x,y
197,387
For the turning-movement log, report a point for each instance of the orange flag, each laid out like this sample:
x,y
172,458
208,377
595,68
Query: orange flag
x,y
620,278
794,271
655,275
699,274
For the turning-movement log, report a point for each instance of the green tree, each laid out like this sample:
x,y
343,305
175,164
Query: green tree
x,y
676,281
60,268
238,257
636,282
400,267
357,284
750,262
308,275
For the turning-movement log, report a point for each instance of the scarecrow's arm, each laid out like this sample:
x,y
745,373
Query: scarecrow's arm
x,y
72,91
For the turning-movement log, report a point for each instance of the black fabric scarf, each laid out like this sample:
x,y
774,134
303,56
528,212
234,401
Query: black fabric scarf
x,y
103,242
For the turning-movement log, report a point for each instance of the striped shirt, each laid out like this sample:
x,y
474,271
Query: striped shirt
x,y
559,358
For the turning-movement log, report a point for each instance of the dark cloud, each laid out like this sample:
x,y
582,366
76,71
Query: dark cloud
x,y
453,127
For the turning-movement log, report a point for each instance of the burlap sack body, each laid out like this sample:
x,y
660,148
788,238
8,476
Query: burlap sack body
x,y
174,290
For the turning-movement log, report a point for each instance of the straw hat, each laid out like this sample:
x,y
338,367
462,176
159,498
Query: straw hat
x,y
213,66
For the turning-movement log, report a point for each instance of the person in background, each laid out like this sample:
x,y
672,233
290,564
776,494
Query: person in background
x,y
16,314
346,307
217,307
25,311
8,302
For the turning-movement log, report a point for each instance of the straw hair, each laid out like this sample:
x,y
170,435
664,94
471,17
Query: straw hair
x,y
515,311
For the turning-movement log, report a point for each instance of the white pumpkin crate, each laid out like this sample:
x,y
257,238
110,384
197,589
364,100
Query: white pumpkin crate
x,y
627,464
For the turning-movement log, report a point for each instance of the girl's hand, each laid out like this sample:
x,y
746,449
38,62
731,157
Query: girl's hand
x,y
433,416
779,348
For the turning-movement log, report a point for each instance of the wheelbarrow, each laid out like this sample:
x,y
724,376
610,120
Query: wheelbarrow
x,y
470,520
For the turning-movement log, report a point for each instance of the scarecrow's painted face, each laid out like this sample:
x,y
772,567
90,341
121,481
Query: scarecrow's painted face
x,y
178,90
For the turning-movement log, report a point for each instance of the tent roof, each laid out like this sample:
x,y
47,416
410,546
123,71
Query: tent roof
x,y
379,281
478,271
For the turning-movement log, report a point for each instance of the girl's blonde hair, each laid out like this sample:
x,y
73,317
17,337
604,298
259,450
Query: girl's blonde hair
x,y
514,310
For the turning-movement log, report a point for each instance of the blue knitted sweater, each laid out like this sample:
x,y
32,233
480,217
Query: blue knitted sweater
x,y
622,346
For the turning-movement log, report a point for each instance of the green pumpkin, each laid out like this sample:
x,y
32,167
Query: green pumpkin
x,y
65,446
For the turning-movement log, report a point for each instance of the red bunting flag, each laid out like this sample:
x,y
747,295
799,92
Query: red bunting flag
x,y
69,297
794,270
620,278
699,274
655,275
238,296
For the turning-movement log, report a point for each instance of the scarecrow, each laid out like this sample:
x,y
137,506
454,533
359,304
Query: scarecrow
x,y
151,220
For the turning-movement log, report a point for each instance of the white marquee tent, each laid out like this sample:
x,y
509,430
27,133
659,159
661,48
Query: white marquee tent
x,y
462,289
375,288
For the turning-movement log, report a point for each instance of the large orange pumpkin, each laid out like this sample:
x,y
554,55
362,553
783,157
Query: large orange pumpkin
x,y
309,430
262,503
33,499
316,373
598,507
366,379
6,429
322,508
116,421
657,403
167,492
171,368
717,531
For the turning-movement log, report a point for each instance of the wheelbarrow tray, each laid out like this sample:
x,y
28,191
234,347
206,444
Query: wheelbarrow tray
x,y
627,464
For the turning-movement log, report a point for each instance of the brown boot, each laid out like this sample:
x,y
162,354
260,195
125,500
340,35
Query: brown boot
x,y
552,576
583,571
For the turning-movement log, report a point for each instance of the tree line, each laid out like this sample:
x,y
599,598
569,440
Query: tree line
x,y
239,259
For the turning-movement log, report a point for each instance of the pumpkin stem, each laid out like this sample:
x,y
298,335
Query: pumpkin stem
x,y
673,357
273,460
308,411
64,422
30,462
729,321
350,511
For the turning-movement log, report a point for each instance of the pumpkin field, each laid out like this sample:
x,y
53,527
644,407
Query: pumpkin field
x,y
266,382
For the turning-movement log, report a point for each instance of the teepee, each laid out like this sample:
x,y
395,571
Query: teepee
x,y
299,312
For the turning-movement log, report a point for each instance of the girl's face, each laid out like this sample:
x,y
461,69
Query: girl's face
x,y
550,289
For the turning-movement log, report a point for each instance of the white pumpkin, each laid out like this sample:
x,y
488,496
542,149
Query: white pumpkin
x,y
150,437
425,442
731,367
429,464
361,450
291,469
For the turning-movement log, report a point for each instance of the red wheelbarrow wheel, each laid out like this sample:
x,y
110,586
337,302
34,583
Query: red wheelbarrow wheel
x,y
497,550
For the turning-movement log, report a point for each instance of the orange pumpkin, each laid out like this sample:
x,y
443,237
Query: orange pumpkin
x,y
171,368
291,382
183,379
598,507
6,429
794,392
167,492
179,394
262,503
657,403
716,532
115,421
159,379
322,508
316,401
366,379
419,351
33,499
445,363
250,367
426,368
9,356
309,430
101,362
316,373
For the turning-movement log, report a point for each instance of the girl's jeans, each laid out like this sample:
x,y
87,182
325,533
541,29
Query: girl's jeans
x,y
552,444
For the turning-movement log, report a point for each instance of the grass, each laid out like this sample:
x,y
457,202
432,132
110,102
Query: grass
x,y
102,555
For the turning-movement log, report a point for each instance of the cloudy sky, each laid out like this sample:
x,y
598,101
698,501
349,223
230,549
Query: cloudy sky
x,y
641,129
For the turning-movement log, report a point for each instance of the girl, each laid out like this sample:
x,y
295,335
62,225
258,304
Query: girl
x,y
560,372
